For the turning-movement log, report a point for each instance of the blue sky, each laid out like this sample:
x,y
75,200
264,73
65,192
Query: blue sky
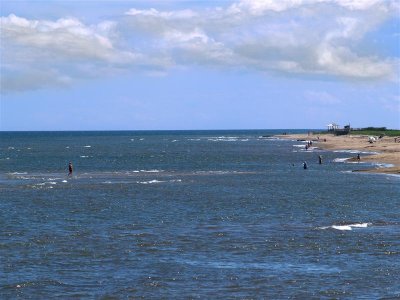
x,y
244,64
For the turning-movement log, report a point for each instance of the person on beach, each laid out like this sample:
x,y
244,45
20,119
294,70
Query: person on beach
x,y
358,157
320,159
70,169
305,165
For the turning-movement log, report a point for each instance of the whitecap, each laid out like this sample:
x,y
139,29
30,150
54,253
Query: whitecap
x,y
151,171
360,225
341,227
150,181
176,180
347,227
88,146
84,156
64,181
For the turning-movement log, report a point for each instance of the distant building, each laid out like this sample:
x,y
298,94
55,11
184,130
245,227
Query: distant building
x,y
332,127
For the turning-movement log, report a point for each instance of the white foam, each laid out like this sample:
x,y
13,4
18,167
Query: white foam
x,y
158,181
176,180
360,225
173,141
355,152
84,156
151,171
382,165
87,146
341,159
64,181
224,139
341,227
347,227
150,181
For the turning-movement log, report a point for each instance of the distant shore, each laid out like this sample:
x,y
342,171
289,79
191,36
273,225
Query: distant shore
x,y
388,150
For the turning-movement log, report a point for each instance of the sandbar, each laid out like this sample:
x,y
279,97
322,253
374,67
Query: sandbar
x,y
387,149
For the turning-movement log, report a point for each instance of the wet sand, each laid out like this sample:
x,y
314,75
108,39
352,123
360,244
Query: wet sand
x,y
388,150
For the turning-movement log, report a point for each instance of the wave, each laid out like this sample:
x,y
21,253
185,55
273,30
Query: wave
x,y
227,139
158,181
87,146
346,227
355,151
150,171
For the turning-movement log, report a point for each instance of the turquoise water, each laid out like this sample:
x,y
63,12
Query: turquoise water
x,y
192,214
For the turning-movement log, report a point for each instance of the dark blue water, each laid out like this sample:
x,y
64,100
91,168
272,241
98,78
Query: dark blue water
x,y
195,214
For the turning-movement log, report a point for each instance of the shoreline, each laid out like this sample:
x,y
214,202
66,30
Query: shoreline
x,y
383,151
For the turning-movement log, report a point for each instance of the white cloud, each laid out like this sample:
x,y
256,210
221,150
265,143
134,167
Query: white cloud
x,y
296,37
287,36
39,52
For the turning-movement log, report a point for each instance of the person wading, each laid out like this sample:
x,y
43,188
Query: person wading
x,y
70,169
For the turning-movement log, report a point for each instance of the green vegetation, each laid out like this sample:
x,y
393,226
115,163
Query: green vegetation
x,y
376,131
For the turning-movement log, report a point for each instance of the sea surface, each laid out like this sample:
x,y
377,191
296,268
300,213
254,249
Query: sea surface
x,y
192,215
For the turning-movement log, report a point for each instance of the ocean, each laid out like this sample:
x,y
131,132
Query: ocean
x,y
192,215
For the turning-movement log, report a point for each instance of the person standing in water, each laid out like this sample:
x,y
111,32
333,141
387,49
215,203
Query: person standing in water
x,y
320,159
305,165
70,169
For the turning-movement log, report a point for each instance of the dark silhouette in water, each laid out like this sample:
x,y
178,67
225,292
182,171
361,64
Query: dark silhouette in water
x,y
70,169
305,165
320,159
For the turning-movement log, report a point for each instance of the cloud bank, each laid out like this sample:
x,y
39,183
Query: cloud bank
x,y
328,38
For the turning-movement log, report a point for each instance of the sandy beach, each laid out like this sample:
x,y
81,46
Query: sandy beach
x,y
388,150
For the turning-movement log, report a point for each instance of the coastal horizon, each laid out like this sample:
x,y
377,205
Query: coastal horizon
x,y
178,149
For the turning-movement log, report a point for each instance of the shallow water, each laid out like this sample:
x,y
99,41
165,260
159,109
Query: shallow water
x,y
192,214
